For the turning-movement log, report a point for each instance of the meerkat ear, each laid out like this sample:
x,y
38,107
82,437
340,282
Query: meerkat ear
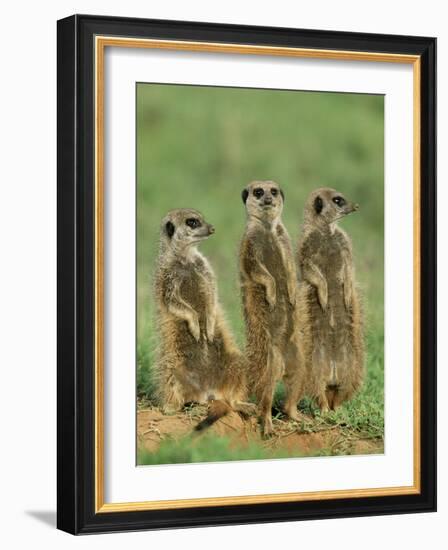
x,y
318,205
169,227
244,195
283,195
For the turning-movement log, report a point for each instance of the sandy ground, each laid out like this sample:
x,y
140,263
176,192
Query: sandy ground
x,y
153,427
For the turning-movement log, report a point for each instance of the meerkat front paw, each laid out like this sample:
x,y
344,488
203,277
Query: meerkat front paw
x,y
195,329
271,298
292,295
210,329
348,296
323,298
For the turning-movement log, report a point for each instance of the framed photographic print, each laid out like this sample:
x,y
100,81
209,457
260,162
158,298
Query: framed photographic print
x,y
246,274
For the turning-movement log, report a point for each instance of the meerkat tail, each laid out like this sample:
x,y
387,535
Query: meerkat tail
x,y
216,410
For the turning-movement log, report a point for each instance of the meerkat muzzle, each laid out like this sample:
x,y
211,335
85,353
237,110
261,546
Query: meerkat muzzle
x,y
353,207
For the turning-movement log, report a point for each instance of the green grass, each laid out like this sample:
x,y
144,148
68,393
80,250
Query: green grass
x,y
208,448
198,147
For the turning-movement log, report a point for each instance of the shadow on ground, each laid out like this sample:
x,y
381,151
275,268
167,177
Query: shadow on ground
x,y
48,517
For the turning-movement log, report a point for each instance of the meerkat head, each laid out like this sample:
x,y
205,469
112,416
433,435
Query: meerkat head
x,y
264,200
184,228
326,206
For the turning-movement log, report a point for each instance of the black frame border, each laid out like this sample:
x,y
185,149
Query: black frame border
x,y
76,262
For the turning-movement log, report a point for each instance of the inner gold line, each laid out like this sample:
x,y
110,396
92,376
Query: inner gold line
x,y
417,267
99,276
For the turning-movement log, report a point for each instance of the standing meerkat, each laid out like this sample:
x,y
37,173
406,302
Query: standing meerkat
x,y
330,320
269,285
198,360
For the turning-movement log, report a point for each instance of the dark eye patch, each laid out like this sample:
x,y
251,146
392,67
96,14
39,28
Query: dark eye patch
x,y
258,192
169,227
274,192
340,201
193,223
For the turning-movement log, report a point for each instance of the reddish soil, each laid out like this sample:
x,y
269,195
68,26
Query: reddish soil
x,y
153,427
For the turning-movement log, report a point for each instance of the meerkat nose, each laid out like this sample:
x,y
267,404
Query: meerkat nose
x,y
356,206
268,200
211,229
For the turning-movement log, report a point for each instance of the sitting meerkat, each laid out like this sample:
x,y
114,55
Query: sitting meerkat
x,y
198,360
330,320
269,285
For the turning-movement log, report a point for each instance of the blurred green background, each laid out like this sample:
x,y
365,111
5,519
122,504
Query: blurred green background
x,y
199,146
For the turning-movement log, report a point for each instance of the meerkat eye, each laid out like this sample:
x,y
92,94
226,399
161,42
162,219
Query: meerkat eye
x,y
193,223
340,201
258,192
274,192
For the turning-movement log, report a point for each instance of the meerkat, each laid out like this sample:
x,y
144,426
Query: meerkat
x,y
330,320
198,360
269,286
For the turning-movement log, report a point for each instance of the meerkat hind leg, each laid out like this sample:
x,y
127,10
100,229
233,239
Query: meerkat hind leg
x,y
274,371
267,427
265,397
293,392
173,397
293,381
331,394
340,395
244,408
322,403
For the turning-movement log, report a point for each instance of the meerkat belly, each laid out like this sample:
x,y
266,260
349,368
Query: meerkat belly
x,y
276,317
332,326
203,359
191,291
272,259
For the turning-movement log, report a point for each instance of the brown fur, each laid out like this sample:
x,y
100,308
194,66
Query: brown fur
x,y
198,360
216,410
269,286
330,318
